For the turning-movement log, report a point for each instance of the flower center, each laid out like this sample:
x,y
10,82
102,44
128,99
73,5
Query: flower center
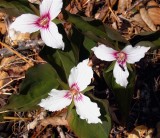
x,y
43,21
121,59
73,91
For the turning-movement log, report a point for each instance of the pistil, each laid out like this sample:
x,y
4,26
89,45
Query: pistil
x,y
73,91
44,22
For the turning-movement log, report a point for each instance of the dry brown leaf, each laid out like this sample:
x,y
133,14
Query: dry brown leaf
x,y
11,64
55,120
14,36
2,15
146,18
123,5
20,69
34,123
7,61
89,9
154,12
35,1
3,29
103,12
3,75
141,132
137,20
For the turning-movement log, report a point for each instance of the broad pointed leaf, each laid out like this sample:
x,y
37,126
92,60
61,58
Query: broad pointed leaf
x,y
114,34
15,7
91,29
151,39
84,130
122,95
60,60
39,80
81,44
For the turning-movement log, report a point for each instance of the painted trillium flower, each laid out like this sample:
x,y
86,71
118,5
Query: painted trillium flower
x,y
128,55
30,23
79,79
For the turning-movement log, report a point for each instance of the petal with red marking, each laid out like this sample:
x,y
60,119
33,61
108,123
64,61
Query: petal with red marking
x,y
53,7
120,74
134,54
56,101
87,110
52,37
81,75
25,23
104,53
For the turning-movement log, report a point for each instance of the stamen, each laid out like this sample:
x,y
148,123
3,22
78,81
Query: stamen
x,y
73,91
121,59
78,97
44,22
121,56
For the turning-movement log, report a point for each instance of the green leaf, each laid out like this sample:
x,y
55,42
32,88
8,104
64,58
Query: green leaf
x,y
151,39
62,61
122,95
114,34
88,29
15,7
39,80
81,45
147,44
63,85
129,67
84,130
88,89
110,68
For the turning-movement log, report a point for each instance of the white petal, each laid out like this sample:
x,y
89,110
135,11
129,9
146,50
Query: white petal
x,y
51,6
121,75
25,23
134,54
52,37
56,101
87,110
104,53
81,75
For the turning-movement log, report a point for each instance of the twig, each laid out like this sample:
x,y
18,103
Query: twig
x,y
115,16
6,111
12,81
10,77
61,134
15,52
5,93
134,5
15,118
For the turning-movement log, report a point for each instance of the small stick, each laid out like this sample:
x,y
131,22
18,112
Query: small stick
x,y
14,118
6,111
118,20
15,52
11,82
134,5
5,93
61,134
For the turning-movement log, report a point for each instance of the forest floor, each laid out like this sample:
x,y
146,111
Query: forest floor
x,y
18,55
